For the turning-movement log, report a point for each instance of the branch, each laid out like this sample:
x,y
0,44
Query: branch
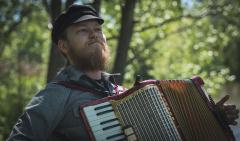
x,y
55,9
26,10
68,3
96,4
46,5
173,20
233,21
210,11
156,38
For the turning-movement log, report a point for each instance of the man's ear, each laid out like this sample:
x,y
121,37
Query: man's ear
x,y
62,45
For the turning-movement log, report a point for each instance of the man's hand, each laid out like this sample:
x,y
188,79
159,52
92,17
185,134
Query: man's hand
x,y
230,111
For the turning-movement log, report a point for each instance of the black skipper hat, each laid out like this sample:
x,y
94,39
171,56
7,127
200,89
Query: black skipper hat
x,y
74,14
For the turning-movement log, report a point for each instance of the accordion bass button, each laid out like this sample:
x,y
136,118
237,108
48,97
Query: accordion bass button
x,y
132,138
129,133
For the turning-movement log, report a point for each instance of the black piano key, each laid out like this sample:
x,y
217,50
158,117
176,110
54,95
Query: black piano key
x,y
104,112
124,139
112,126
102,107
107,121
114,136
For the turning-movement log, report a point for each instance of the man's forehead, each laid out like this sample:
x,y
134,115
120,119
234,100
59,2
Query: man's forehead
x,y
87,23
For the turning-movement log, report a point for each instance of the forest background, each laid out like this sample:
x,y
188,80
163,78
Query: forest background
x,y
157,39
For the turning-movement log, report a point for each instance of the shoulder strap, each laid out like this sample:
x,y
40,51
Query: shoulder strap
x,y
79,87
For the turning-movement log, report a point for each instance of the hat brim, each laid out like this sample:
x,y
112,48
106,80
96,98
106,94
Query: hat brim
x,y
89,17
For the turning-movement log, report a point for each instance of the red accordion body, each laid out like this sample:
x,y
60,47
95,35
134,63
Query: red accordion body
x,y
161,110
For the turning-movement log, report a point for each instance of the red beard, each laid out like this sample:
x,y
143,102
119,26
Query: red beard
x,y
94,56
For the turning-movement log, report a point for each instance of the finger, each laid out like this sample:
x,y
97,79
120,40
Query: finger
x,y
229,107
231,112
233,123
223,100
232,117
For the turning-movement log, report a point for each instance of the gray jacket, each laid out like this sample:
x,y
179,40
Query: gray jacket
x,y
53,114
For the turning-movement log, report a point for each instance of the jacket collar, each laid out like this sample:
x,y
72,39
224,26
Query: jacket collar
x,y
73,74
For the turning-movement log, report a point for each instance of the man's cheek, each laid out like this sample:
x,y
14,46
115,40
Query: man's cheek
x,y
102,38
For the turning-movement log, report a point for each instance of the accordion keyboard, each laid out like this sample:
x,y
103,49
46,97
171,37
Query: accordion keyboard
x,y
103,122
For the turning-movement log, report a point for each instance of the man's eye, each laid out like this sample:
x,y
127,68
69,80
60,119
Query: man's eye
x,y
98,29
82,30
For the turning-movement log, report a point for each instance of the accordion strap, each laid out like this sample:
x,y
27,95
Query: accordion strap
x,y
79,87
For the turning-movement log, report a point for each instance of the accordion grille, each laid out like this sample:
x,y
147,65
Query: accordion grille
x,y
148,114
193,116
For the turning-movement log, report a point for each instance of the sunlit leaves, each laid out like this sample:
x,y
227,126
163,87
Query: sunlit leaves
x,y
22,64
171,40
183,47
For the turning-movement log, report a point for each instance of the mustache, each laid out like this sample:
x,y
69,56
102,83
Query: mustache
x,y
95,40
102,45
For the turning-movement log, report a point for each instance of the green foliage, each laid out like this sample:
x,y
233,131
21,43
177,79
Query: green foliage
x,y
197,51
23,66
170,41
111,13
165,46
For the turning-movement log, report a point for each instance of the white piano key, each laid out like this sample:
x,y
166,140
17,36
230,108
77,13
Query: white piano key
x,y
92,112
102,135
91,108
111,131
104,109
117,138
97,122
101,117
100,127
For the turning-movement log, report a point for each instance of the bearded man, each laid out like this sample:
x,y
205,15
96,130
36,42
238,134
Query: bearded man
x,y
53,114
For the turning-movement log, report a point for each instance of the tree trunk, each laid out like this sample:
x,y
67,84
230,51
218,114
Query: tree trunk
x,y
68,3
127,24
56,60
96,4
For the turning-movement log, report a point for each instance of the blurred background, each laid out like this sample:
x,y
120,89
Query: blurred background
x,y
157,39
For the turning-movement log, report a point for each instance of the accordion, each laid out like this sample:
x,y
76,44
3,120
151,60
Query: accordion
x,y
161,110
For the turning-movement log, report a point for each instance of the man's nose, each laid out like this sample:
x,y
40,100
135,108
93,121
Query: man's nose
x,y
92,34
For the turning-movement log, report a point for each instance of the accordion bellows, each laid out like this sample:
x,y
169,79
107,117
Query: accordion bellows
x,y
161,110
